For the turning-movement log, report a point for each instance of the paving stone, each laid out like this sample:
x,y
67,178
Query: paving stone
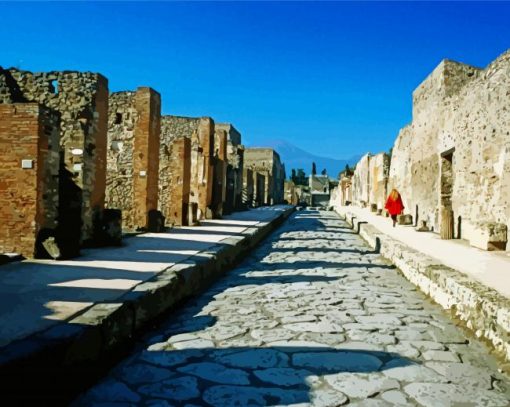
x,y
463,373
109,390
326,397
226,396
395,397
180,388
443,356
438,394
194,344
361,385
139,373
281,376
170,358
215,372
339,361
402,370
253,358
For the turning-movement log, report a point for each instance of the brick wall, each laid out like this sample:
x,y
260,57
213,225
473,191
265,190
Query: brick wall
x,y
133,155
81,98
28,196
220,172
177,207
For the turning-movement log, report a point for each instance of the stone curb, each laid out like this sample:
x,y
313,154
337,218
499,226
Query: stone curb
x,y
59,362
481,309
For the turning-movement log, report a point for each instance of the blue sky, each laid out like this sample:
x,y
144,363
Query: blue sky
x,y
332,78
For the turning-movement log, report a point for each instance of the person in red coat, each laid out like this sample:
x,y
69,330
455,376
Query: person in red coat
x,y
394,205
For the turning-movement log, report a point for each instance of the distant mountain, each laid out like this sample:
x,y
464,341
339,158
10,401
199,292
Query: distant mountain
x,y
294,157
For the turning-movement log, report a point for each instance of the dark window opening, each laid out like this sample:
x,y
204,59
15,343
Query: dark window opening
x,y
118,118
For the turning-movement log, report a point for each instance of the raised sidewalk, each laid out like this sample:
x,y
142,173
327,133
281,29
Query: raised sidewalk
x,y
473,284
61,322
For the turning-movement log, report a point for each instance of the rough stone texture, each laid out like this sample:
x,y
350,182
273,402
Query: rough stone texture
x,y
248,187
28,196
133,155
319,190
369,182
290,193
266,162
200,132
219,193
462,113
273,325
235,163
483,310
81,98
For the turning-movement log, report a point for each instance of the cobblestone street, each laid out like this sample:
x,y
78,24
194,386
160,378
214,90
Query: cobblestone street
x,y
312,317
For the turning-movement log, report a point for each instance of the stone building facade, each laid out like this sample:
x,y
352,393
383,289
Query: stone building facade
x,y
200,132
248,191
81,99
133,156
235,159
451,164
291,194
29,181
267,163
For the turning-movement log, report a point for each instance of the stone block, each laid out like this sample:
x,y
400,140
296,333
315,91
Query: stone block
x,y
405,219
373,207
489,236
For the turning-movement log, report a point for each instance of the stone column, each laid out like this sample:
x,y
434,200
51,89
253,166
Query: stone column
x,y
447,224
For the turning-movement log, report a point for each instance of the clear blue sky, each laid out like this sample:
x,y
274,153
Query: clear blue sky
x,y
332,78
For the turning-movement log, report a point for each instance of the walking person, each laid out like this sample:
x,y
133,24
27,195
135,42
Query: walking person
x,y
394,205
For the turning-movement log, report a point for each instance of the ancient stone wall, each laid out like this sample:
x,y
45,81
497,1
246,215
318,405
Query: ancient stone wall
x,y
453,160
81,98
133,155
220,172
361,181
266,162
200,132
235,157
379,167
248,187
29,187
175,177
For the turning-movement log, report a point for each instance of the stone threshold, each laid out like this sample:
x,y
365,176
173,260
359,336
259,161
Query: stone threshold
x,y
57,363
481,309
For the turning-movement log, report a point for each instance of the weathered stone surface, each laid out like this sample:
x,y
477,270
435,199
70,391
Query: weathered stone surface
x,y
344,361
361,386
434,394
268,175
181,388
217,373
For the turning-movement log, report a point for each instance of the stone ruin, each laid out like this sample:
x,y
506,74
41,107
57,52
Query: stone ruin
x,y
80,100
235,163
77,162
451,164
200,133
134,126
268,175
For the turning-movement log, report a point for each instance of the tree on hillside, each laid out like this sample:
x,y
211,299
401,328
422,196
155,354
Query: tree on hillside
x,y
314,169
324,172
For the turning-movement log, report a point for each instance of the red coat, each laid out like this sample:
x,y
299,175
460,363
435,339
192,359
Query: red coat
x,y
394,207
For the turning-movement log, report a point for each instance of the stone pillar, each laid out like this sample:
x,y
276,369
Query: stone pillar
x,y
447,223
29,167
178,207
220,172
146,156
205,167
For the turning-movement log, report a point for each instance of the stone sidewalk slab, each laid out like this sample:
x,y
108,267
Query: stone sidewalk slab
x,y
77,310
473,284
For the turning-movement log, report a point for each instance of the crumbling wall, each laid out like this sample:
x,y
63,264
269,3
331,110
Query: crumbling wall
x,y
361,181
81,98
378,175
175,177
266,162
235,162
455,155
248,187
220,172
29,187
133,155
